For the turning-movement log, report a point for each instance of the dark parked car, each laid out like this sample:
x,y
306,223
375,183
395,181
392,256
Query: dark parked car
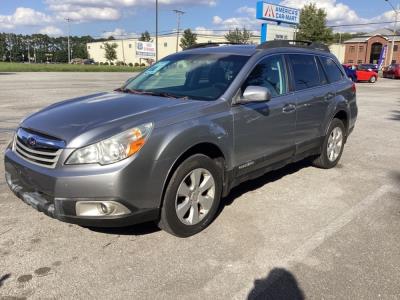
x,y
168,145
392,71
350,72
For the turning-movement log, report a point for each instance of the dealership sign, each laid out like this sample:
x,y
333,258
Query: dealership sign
x,y
145,50
277,13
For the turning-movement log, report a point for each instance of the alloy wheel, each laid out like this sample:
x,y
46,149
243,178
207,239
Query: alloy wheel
x,y
335,143
195,196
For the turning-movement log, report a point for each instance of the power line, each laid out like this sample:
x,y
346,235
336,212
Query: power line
x,y
361,24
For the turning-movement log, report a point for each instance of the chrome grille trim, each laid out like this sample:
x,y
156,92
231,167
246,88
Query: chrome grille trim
x,y
46,159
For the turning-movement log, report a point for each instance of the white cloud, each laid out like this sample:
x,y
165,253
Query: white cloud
x,y
246,19
251,11
108,10
217,20
204,30
82,14
338,13
23,16
51,31
119,33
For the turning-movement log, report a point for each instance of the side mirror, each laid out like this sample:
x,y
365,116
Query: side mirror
x,y
256,94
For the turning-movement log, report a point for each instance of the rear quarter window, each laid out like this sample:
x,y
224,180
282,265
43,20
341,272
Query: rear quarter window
x,y
332,70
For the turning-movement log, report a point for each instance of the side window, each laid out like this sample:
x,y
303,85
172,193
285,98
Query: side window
x,y
305,71
269,73
332,70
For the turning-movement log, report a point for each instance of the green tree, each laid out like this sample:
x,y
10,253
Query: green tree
x,y
110,52
188,39
238,36
3,47
312,25
145,37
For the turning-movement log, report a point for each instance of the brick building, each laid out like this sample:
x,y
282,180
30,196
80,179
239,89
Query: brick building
x,y
367,49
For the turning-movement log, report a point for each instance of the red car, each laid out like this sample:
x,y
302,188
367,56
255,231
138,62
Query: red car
x,y
365,74
392,71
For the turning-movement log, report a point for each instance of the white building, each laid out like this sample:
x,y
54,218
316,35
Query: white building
x,y
127,49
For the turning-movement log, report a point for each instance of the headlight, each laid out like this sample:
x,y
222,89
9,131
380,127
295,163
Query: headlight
x,y
113,149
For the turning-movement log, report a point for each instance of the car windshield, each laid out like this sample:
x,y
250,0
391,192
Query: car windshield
x,y
190,76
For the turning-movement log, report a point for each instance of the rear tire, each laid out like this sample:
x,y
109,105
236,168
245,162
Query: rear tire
x,y
192,196
333,146
372,79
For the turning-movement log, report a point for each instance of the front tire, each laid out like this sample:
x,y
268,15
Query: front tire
x,y
372,79
332,147
192,196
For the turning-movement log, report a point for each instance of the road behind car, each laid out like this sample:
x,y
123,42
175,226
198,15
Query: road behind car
x,y
297,231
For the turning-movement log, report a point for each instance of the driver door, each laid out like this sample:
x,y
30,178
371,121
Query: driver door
x,y
264,131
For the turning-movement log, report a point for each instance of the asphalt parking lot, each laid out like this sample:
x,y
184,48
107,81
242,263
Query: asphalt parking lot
x,y
297,232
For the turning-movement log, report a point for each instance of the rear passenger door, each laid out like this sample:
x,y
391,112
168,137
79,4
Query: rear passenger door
x,y
313,95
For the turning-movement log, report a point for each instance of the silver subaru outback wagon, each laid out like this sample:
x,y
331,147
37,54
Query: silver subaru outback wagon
x,y
170,143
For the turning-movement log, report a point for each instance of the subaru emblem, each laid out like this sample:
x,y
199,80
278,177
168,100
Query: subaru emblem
x,y
31,141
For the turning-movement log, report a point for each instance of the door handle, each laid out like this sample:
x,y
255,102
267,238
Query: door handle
x,y
329,96
289,108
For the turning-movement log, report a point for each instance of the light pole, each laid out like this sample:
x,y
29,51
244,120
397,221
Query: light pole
x,y
69,47
396,11
156,30
179,13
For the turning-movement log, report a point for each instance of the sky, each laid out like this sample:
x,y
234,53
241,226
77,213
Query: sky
x,y
102,18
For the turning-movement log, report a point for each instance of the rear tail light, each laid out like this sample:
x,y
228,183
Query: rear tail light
x,y
353,88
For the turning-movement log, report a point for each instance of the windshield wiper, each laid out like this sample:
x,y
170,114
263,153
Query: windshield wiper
x,y
151,93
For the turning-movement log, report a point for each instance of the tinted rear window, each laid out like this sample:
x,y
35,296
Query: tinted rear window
x,y
305,71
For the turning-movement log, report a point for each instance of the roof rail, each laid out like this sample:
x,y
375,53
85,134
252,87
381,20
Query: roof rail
x,y
211,44
294,43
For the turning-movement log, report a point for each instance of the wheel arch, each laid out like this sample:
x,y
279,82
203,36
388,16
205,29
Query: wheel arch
x,y
209,149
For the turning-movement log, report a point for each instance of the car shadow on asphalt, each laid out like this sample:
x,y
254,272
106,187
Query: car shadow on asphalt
x,y
269,177
138,229
395,115
279,284
151,227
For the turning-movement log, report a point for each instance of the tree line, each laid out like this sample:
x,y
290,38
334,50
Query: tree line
x,y
41,48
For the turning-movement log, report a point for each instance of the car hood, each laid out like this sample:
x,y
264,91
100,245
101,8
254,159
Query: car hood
x,y
88,119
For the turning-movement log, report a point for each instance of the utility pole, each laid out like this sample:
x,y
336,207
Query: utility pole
x,y
69,47
156,30
179,13
396,12
29,51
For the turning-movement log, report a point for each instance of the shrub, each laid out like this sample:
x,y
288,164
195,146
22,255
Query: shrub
x,y
136,64
131,64
142,65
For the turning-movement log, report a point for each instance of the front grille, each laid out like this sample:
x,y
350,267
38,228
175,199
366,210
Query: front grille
x,y
45,152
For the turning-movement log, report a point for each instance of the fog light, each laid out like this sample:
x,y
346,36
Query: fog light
x,y
100,209
104,209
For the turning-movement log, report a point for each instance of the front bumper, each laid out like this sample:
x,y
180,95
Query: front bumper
x,y
45,192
